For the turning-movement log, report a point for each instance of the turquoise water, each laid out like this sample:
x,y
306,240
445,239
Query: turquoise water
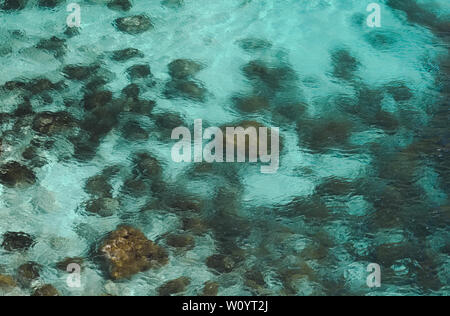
x,y
364,166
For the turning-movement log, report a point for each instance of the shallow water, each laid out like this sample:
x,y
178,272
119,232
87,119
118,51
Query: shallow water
x,y
364,165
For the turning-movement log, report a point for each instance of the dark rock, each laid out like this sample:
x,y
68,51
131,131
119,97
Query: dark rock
x,y
381,40
20,241
50,3
220,263
126,54
54,44
173,3
252,103
254,44
134,24
40,85
64,264
97,99
325,133
143,107
399,91
168,121
272,77
15,85
7,282
334,186
184,68
211,288
174,286
139,71
133,131
136,187
344,64
184,203
131,91
195,225
50,123
13,174
23,109
185,89
121,5
78,72
98,186
147,166
254,279
103,207
96,83
28,272
72,31
46,290
11,5
180,241
127,251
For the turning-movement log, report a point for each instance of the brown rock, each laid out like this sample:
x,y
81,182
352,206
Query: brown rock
x,y
46,290
220,263
127,251
174,286
211,288
6,282
181,241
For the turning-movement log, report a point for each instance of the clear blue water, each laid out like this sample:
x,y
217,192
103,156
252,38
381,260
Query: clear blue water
x,y
364,172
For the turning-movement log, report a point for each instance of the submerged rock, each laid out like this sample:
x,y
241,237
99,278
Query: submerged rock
x,y
126,54
19,241
13,174
132,131
167,122
174,286
195,225
220,263
121,5
252,103
139,71
254,44
104,207
180,241
78,72
147,166
97,99
134,24
72,31
344,64
211,289
6,282
46,290
399,91
50,3
40,85
325,133
273,77
173,3
28,272
11,5
98,186
185,89
63,265
50,123
54,44
184,68
127,251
